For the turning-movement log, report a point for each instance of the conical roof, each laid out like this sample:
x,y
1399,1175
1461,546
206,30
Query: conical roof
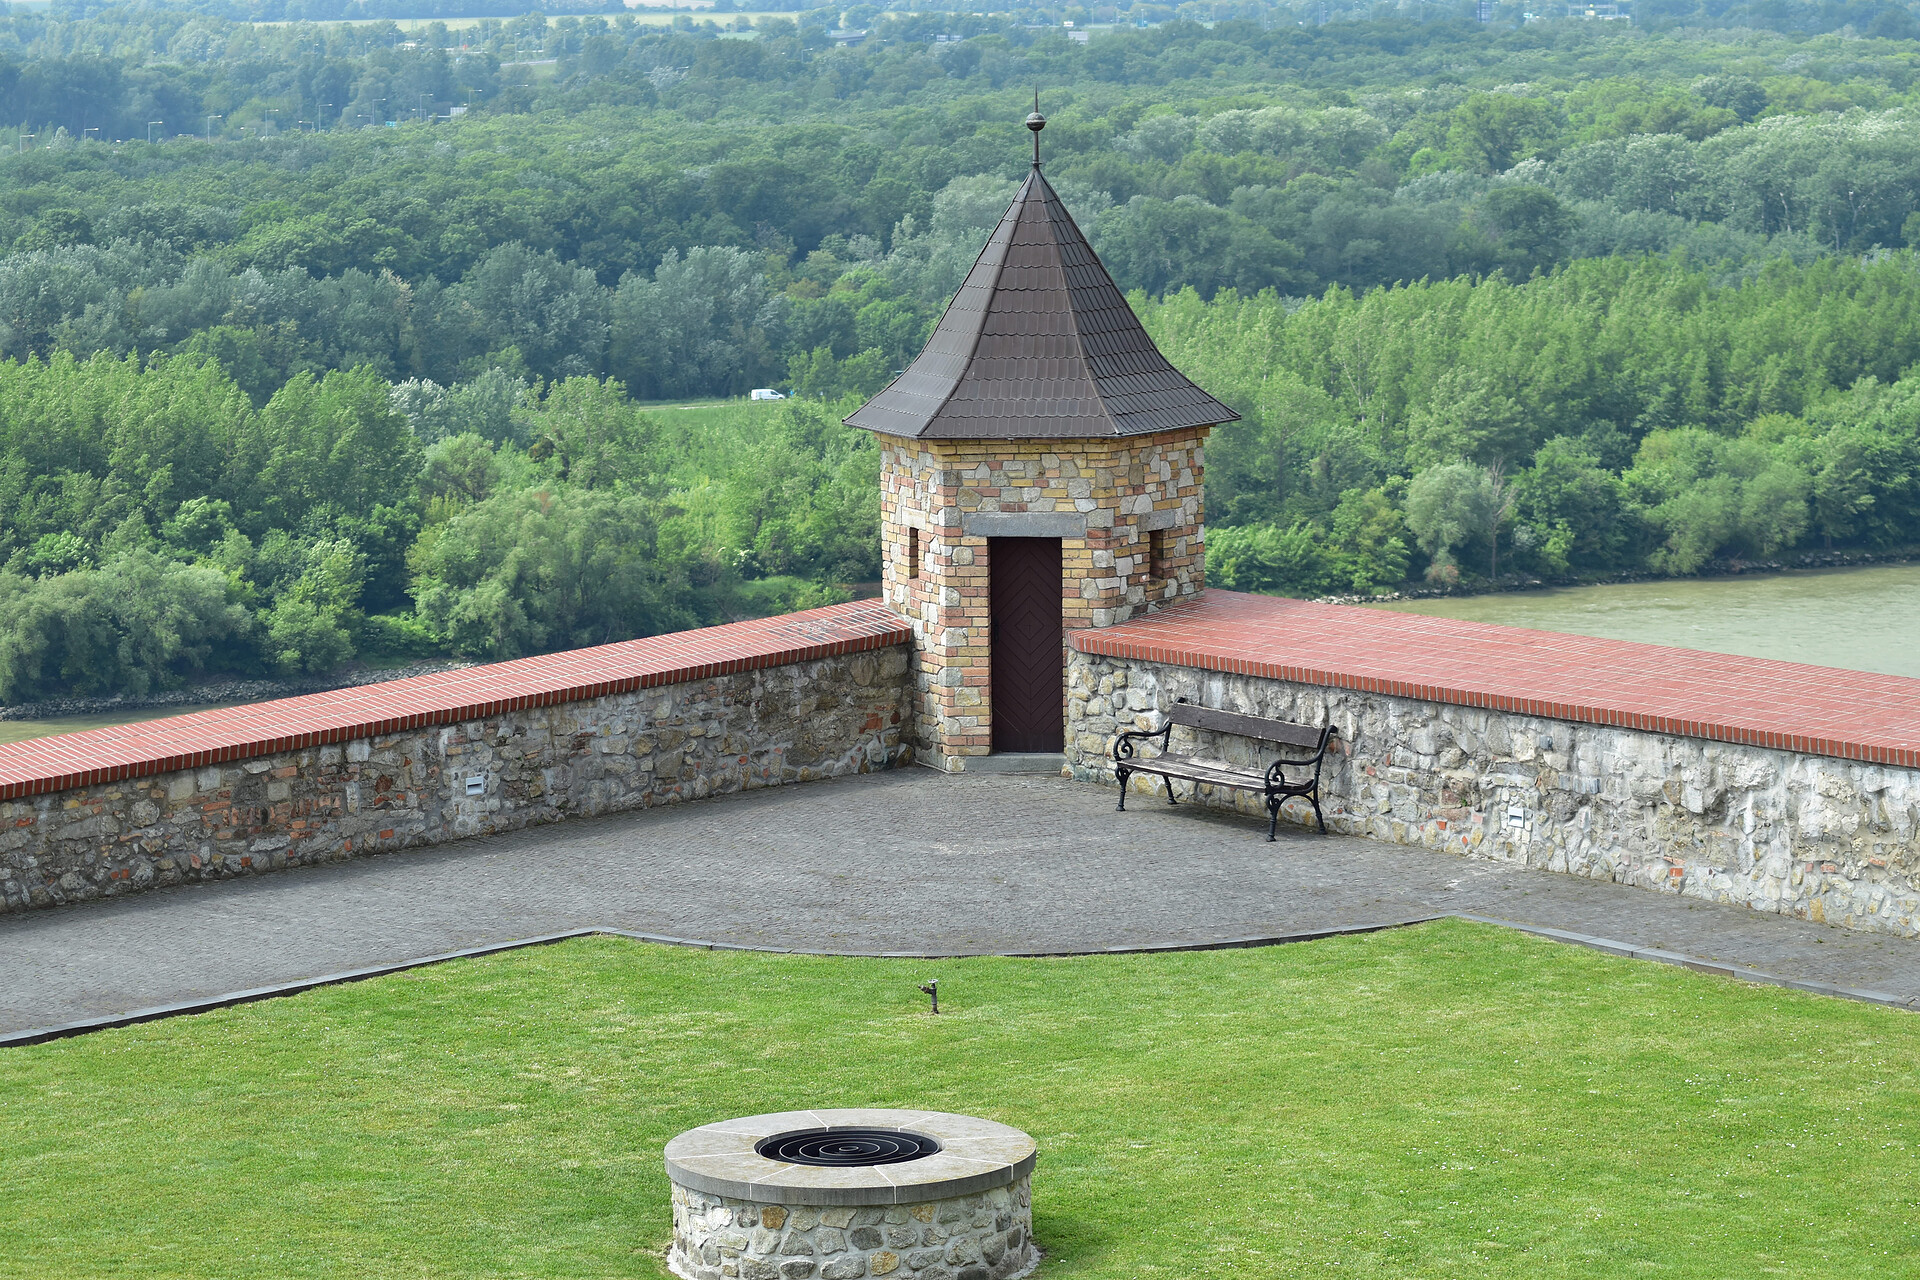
x,y
1038,343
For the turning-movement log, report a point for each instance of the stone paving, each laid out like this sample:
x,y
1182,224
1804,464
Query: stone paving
x,y
903,861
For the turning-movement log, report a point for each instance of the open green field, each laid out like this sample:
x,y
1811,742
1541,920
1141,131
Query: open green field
x,y
405,24
756,16
656,17
1450,1100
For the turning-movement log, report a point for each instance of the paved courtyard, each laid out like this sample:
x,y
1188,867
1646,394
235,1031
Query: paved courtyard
x,y
906,861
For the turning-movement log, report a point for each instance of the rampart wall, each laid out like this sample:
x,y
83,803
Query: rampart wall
x,y
487,749
1786,788
1798,823
1804,835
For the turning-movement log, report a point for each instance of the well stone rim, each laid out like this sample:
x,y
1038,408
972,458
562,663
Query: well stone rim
x,y
975,1155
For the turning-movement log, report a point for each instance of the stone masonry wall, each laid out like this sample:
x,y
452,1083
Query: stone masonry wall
x,y
1804,835
760,728
984,1236
943,502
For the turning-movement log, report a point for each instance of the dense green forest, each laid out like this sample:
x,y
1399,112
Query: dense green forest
x,y
1619,414
372,350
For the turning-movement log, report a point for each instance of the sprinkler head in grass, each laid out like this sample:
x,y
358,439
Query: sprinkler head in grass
x,y
932,988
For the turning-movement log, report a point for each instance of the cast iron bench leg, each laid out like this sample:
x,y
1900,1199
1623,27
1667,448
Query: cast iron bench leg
x,y
1123,775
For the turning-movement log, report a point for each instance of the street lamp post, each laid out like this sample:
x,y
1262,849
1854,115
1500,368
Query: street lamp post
x,y
150,125
210,120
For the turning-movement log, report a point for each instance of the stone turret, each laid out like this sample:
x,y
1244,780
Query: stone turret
x,y
1041,468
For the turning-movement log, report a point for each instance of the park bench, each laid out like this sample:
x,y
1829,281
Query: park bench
x,y
1273,783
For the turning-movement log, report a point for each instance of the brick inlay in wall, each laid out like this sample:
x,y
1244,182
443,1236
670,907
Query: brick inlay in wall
x,y
291,724
1787,706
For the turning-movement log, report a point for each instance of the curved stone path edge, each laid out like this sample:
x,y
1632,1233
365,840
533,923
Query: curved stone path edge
x,y
1628,950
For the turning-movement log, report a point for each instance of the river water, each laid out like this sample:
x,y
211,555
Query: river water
x,y
1865,619
21,730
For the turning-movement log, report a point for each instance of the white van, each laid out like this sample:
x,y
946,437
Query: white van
x,y
764,393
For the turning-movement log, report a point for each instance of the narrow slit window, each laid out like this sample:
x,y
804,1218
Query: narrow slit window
x,y
913,552
1157,553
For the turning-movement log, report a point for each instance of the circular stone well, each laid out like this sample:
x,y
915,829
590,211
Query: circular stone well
x,y
920,1195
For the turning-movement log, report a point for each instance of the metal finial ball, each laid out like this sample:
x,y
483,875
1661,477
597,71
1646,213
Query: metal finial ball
x,y
1036,122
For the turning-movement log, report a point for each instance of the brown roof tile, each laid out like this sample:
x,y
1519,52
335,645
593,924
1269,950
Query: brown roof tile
x,y
1038,342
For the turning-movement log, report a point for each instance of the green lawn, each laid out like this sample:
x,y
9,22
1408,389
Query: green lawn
x,y
1451,1100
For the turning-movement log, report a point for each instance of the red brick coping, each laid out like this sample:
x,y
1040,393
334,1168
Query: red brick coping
x,y
290,724
1791,706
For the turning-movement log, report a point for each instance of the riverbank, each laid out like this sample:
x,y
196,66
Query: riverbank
x,y
225,692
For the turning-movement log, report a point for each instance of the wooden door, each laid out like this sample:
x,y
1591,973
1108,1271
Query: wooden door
x,y
1028,663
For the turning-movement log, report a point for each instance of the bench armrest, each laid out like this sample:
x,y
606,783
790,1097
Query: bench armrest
x,y
1326,737
1315,758
1123,745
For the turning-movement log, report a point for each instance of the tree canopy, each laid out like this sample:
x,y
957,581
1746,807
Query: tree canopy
x,y
322,340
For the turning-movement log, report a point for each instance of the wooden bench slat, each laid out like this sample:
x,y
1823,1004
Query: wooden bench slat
x,y
1193,770
1293,735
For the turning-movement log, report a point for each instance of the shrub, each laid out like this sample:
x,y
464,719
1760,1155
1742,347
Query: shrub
x,y
141,622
